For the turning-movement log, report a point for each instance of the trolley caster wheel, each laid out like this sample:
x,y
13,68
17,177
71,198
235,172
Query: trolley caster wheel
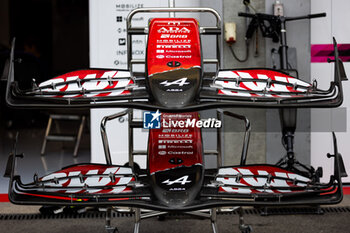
x,y
137,167
111,229
51,210
319,172
246,229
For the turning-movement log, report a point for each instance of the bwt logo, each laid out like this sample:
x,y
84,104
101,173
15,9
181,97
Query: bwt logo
x,y
151,120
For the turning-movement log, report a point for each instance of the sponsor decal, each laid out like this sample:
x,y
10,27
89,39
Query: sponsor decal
x,y
138,18
137,41
173,29
170,36
185,46
122,41
117,62
180,147
171,135
178,51
129,6
176,130
179,82
174,23
208,123
120,52
179,56
119,19
180,152
151,120
175,141
120,30
182,180
171,41
134,52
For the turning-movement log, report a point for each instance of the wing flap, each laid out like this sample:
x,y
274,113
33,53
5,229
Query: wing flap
x,y
83,184
86,83
250,185
272,88
82,88
265,85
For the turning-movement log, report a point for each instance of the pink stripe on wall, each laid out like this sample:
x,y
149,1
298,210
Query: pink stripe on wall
x,y
321,52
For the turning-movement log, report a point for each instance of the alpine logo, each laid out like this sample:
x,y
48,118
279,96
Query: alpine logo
x,y
173,30
182,180
180,82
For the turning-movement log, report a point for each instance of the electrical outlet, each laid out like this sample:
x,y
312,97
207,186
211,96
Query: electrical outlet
x,y
230,32
278,8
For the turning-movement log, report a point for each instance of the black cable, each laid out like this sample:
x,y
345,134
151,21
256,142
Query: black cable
x,y
246,55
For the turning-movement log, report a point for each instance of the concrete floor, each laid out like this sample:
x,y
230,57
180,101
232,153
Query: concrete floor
x,y
31,135
327,223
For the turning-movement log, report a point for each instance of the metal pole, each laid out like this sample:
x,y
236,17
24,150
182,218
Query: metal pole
x,y
246,134
171,4
131,139
104,134
218,139
213,218
177,9
283,46
287,116
48,128
137,220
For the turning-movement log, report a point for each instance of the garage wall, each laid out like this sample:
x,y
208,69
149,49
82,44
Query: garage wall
x,y
265,145
322,32
4,23
233,129
298,36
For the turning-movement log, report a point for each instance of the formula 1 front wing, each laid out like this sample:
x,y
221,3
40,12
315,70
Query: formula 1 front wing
x,y
96,88
106,185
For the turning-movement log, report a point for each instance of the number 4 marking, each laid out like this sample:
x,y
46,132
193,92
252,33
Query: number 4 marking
x,y
182,180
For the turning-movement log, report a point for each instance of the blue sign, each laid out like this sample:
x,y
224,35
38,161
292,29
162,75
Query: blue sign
x,y
151,120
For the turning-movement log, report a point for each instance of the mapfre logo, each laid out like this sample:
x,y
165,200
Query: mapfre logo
x,y
174,30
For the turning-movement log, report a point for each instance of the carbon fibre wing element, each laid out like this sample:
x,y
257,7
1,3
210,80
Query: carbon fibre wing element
x,y
272,88
96,88
82,88
250,185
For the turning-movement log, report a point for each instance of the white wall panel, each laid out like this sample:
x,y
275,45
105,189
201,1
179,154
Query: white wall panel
x,y
322,32
321,28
